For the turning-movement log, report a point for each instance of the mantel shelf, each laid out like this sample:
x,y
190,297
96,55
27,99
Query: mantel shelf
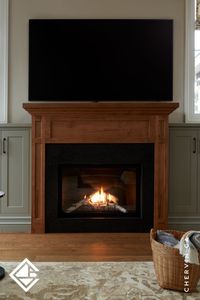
x,y
137,107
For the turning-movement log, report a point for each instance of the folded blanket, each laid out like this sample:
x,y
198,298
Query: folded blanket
x,y
188,249
166,238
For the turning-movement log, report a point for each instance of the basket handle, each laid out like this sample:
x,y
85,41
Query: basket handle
x,y
152,234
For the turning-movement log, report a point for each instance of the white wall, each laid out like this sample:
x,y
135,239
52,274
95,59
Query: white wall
x,y
23,10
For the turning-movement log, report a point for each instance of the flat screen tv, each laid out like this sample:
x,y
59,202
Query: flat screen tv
x,y
100,60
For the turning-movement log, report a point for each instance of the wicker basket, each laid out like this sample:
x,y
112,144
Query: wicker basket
x,y
169,265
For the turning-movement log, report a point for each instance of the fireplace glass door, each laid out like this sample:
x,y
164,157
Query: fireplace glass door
x,y
99,191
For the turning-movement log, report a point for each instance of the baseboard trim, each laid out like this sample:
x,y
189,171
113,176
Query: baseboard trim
x,y
184,220
184,223
15,224
15,220
22,223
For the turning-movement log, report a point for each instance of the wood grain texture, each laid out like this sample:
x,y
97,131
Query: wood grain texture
x,y
112,108
75,247
135,122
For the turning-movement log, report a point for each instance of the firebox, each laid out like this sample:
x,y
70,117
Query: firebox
x,y
105,191
99,187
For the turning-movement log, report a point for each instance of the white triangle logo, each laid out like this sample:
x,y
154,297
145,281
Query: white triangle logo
x,y
25,275
26,281
23,272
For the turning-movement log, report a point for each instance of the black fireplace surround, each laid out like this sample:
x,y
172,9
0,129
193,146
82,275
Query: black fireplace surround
x,y
70,161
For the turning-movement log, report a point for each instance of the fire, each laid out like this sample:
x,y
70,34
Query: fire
x,y
102,198
99,201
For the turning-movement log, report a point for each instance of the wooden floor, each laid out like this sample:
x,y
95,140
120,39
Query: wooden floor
x,y
75,247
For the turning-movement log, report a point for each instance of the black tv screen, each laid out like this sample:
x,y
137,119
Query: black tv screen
x,y
100,60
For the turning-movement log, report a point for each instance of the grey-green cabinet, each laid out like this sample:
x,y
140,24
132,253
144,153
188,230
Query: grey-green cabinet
x,y
184,177
15,179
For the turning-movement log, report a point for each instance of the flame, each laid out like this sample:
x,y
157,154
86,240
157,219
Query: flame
x,y
102,198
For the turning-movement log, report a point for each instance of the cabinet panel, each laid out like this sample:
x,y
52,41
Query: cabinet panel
x,y
183,172
15,172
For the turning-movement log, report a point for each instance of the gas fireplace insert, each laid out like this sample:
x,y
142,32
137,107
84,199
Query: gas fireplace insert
x,y
99,187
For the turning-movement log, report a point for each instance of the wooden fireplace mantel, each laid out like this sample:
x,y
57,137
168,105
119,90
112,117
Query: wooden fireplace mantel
x,y
101,122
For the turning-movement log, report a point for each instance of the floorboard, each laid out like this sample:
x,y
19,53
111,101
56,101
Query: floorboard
x,y
75,247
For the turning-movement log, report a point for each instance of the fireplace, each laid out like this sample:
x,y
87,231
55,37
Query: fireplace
x,y
99,166
99,187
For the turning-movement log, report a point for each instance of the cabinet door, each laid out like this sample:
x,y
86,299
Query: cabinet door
x,y
15,172
183,172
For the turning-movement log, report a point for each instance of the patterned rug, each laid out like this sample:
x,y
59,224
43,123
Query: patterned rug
x,y
90,281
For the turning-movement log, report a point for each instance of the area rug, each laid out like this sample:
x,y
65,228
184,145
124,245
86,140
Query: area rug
x,y
90,281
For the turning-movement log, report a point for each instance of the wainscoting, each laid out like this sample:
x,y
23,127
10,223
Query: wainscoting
x,y
184,176
15,206
181,140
